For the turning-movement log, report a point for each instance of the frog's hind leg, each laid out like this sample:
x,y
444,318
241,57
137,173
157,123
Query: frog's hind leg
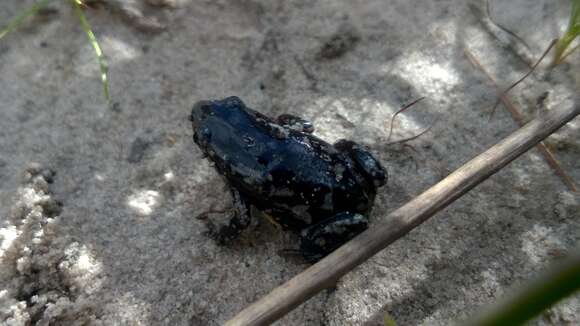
x,y
321,239
295,122
239,222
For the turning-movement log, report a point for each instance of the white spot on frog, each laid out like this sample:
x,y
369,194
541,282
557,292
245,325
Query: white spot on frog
x,y
338,172
250,142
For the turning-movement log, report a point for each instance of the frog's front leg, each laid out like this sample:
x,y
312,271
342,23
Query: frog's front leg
x,y
239,222
321,239
295,122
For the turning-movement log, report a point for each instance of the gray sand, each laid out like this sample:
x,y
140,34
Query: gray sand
x,y
97,205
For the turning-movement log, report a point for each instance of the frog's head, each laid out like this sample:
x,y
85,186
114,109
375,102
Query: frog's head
x,y
213,117
219,108
201,111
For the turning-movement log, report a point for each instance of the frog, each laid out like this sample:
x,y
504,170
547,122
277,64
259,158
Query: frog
x,y
322,192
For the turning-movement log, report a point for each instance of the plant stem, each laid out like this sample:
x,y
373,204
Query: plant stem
x,y
14,23
93,40
560,281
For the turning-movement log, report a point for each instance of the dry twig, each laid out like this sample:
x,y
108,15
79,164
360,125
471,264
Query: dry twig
x,y
401,110
523,77
503,35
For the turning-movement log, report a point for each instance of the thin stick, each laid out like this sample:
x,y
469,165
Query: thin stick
x,y
503,28
401,110
404,140
518,117
503,35
524,77
326,272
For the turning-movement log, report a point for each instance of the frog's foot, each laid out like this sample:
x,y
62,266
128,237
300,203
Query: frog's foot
x,y
321,239
296,123
373,169
239,222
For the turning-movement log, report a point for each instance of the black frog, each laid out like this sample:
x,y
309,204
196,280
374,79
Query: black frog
x,y
322,192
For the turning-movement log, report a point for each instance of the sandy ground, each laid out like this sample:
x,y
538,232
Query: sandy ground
x,y
97,204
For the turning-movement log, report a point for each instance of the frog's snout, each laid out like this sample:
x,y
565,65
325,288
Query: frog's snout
x,y
201,133
199,112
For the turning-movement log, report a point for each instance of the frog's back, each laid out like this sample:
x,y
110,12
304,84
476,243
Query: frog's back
x,y
302,176
281,169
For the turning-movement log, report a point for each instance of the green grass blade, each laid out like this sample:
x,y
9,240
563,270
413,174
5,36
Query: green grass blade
x,y
389,320
571,33
559,281
100,57
14,23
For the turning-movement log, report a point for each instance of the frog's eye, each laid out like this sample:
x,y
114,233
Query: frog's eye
x,y
308,127
200,111
206,109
